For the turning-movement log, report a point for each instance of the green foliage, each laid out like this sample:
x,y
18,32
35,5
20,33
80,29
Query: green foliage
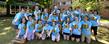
x,y
86,4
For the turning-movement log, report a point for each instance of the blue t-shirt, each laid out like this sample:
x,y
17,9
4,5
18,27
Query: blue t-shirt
x,y
27,14
77,12
30,26
19,17
83,15
71,17
77,30
86,31
48,28
64,23
45,15
66,30
63,16
90,16
22,29
54,17
37,12
38,27
96,21
55,30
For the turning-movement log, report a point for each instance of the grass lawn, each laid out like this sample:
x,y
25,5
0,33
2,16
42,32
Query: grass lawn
x,y
7,34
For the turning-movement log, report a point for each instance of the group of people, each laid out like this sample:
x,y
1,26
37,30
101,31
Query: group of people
x,y
71,24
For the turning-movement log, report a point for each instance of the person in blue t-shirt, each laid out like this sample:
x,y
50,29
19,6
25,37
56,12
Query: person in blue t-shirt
x,y
86,30
77,11
55,32
38,29
66,32
22,29
66,22
75,26
46,32
37,13
45,16
63,16
95,23
66,29
17,19
27,14
30,27
53,17
83,14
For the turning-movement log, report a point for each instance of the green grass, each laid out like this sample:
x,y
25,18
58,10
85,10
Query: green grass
x,y
7,34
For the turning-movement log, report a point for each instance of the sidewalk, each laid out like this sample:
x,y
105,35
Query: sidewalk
x,y
104,24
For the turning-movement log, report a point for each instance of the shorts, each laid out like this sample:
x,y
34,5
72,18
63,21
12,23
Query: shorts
x,y
76,36
21,36
15,27
39,31
94,28
55,37
66,33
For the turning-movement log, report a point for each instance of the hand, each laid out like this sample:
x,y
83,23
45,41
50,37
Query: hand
x,y
17,37
92,31
79,29
40,35
34,31
25,36
48,34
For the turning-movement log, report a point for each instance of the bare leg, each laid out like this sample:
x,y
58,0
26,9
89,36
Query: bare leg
x,y
72,38
88,39
83,38
77,39
58,38
67,37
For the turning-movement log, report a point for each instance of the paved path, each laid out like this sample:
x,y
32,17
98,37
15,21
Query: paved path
x,y
104,24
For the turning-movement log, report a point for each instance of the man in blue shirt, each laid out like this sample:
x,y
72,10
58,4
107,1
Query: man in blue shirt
x,y
55,32
66,32
17,19
95,23
86,30
37,13
29,31
46,32
45,16
27,14
38,29
76,30
22,29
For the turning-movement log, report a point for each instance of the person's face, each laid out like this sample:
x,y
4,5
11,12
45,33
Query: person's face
x,y
54,14
86,18
30,18
68,19
23,20
95,12
90,12
67,25
27,11
55,7
36,7
46,24
76,18
45,10
23,11
39,22
53,23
